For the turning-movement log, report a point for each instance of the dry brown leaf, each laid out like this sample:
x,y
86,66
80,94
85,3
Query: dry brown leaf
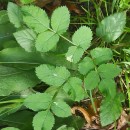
x,y
42,3
74,8
84,112
123,120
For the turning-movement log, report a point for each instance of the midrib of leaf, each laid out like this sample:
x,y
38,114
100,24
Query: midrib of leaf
x,y
60,108
53,30
46,116
29,34
9,110
59,22
10,74
32,63
12,122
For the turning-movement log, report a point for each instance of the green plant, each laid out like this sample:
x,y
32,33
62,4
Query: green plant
x,y
43,52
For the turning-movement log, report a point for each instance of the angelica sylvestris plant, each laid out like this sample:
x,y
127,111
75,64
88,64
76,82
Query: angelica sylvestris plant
x,y
61,63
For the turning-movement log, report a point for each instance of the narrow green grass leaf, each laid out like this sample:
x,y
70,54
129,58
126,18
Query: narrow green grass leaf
x,y
10,128
26,1
43,120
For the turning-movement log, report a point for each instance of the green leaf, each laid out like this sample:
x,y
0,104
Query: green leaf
x,y
35,18
3,16
74,89
61,95
15,80
61,109
101,55
46,41
26,39
10,44
107,87
108,71
26,1
19,58
18,118
64,127
51,75
15,14
86,65
127,51
112,27
43,120
29,60
9,108
38,101
10,128
60,19
81,41
57,60
110,110
92,80
74,54
82,37
6,32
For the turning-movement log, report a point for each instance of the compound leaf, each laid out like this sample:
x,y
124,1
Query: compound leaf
x,y
91,81
38,101
61,109
86,65
43,120
74,89
107,87
35,18
26,39
110,110
60,20
82,37
101,55
46,41
15,14
112,27
74,54
51,75
108,71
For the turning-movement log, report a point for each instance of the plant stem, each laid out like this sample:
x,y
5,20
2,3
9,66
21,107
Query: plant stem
x,y
92,101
